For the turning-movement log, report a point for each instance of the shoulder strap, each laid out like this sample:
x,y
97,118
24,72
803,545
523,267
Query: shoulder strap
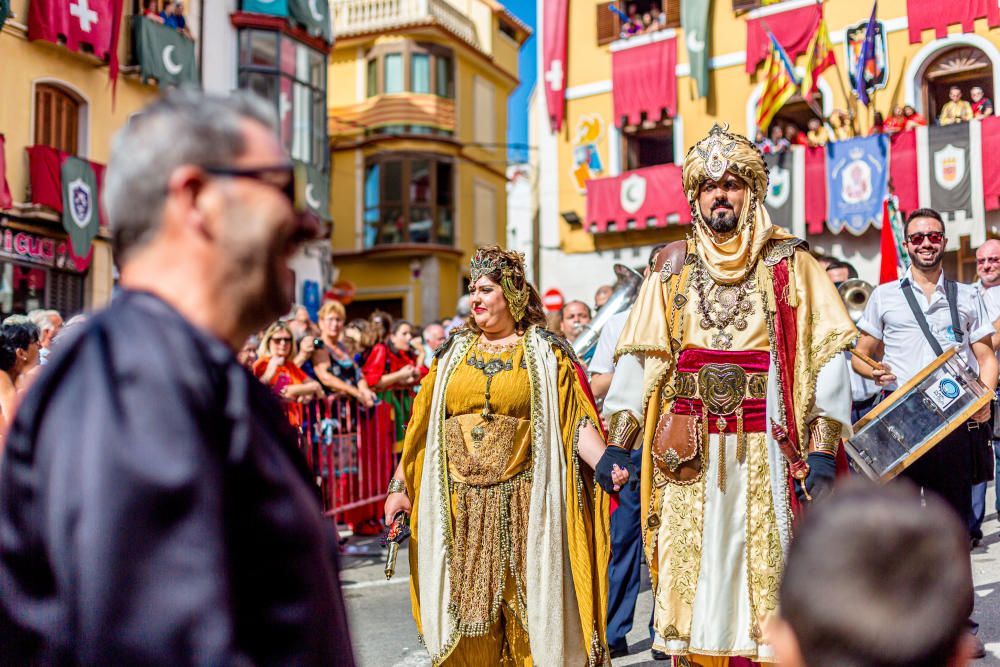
x,y
951,292
918,314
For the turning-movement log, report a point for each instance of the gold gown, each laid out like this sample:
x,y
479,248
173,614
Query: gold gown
x,y
489,470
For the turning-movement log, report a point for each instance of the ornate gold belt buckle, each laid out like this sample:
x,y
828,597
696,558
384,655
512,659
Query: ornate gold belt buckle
x,y
722,387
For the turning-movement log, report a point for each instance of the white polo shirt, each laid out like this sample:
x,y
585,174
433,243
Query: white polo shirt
x,y
603,360
888,318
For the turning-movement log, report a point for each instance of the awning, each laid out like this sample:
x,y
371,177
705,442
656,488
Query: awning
x,y
644,80
639,199
793,29
924,14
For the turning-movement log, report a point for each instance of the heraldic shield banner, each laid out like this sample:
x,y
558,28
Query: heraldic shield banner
x,y
857,178
783,200
950,181
79,195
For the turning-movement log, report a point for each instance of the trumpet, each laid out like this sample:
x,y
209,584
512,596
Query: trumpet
x,y
855,293
626,289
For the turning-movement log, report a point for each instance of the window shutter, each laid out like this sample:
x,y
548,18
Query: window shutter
x,y
65,293
608,24
745,5
56,119
673,10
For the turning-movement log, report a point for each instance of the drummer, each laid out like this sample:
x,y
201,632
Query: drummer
x,y
892,333
906,325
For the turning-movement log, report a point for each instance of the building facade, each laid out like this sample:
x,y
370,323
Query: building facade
x,y
418,114
628,167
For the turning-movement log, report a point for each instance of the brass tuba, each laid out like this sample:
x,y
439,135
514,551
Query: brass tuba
x,y
855,293
625,290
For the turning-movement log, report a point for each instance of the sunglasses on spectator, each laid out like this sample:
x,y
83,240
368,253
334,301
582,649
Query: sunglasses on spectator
x,y
983,261
280,176
281,340
917,238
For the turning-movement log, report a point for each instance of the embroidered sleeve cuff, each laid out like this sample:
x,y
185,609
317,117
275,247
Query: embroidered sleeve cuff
x,y
826,434
623,428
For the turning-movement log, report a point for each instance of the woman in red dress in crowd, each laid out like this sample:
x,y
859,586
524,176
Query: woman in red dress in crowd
x,y
276,369
392,368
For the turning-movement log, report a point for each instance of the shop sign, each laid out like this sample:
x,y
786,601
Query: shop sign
x,y
43,250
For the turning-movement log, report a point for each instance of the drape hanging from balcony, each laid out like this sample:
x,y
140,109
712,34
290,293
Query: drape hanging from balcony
x,y
5,199
644,80
639,199
924,14
991,167
793,29
554,25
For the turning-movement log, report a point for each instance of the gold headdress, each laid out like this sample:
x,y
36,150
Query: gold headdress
x,y
486,263
729,260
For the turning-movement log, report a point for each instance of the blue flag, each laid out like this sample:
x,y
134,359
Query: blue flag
x,y
866,57
857,179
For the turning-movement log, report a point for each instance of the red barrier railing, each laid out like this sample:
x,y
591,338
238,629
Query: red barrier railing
x,y
350,450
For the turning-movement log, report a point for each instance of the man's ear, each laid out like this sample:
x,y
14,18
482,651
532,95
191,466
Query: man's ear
x,y
184,191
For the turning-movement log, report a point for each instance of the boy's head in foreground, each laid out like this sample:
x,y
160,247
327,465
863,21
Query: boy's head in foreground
x,y
875,580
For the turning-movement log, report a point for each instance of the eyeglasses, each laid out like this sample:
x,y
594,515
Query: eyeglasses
x,y
268,176
917,238
983,261
279,341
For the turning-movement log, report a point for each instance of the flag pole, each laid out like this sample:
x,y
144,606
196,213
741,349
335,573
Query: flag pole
x,y
809,102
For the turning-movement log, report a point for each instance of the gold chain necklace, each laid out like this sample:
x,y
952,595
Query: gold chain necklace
x,y
503,361
725,306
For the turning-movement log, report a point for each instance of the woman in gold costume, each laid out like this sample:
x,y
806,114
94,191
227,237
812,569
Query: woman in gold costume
x,y
509,555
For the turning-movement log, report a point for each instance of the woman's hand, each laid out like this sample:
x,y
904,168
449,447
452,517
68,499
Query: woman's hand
x,y
366,397
619,476
396,503
614,470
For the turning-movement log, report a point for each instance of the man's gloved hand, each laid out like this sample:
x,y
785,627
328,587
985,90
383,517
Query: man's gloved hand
x,y
819,482
614,459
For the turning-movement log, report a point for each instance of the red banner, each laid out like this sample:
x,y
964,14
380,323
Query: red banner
x,y
644,80
924,14
793,29
991,168
903,169
5,199
815,189
650,197
44,172
553,78
75,22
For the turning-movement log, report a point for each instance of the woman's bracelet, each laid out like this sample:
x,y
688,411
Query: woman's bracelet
x,y
396,486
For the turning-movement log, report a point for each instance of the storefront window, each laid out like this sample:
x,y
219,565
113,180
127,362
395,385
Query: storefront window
x,y
36,272
293,77
409,201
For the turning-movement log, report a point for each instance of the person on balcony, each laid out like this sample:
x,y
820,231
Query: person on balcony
x,y
509,560
982,106
895,122
842,125
913,119
149,11
955,110
817,134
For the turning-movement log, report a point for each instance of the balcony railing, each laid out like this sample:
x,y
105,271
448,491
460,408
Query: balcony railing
x,y
356,17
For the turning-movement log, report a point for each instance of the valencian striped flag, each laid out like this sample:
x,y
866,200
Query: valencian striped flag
x,y
821,56
780,85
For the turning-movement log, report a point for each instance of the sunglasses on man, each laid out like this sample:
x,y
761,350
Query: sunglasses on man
x,y
917,238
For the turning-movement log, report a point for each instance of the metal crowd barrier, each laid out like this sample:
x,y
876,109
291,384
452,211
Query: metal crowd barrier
x,y
351,451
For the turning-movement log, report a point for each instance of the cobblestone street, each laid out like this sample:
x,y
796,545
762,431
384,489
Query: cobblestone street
x,y
385,636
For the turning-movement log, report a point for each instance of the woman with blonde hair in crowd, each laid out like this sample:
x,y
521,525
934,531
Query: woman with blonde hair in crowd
x,y
275,368
509,561
333,362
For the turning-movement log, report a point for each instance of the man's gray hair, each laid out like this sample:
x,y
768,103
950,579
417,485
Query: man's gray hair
x,y
184,127
43,318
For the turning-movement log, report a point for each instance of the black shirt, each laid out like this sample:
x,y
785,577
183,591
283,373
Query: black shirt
x,y
154,509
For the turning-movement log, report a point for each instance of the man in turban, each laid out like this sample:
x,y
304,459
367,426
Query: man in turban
x,y
731,374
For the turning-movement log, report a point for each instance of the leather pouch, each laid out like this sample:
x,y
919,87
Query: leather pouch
x,y
677,448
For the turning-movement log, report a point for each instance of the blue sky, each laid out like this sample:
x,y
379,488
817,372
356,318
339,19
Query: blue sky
x,y
517,105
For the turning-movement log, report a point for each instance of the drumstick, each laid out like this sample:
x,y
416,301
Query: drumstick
x,y
868,360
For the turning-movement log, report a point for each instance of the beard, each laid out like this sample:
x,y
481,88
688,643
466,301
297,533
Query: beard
x,y
925,264
723,220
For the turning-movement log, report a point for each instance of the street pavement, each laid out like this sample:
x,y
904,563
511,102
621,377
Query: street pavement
x,y
385,635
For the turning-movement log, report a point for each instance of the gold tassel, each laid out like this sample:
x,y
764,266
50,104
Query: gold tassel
x,y
721,423
793,292
765,282
741,437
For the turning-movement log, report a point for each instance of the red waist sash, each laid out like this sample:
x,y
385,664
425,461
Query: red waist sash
x,y
754,409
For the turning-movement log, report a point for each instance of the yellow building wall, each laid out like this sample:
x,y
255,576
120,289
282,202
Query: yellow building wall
x,y
730,88
24,64
385,272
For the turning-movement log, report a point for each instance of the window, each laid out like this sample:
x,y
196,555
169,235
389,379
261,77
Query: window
x,y
57,118
293,77
963,66
485,212
410,67
662,14
647,147
394,73
484,123
408,201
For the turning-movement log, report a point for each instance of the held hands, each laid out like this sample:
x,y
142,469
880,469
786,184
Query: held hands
x,y
883,376
615,469
396,503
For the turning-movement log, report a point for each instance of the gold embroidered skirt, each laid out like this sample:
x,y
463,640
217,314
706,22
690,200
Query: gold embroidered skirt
x,y
490,475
